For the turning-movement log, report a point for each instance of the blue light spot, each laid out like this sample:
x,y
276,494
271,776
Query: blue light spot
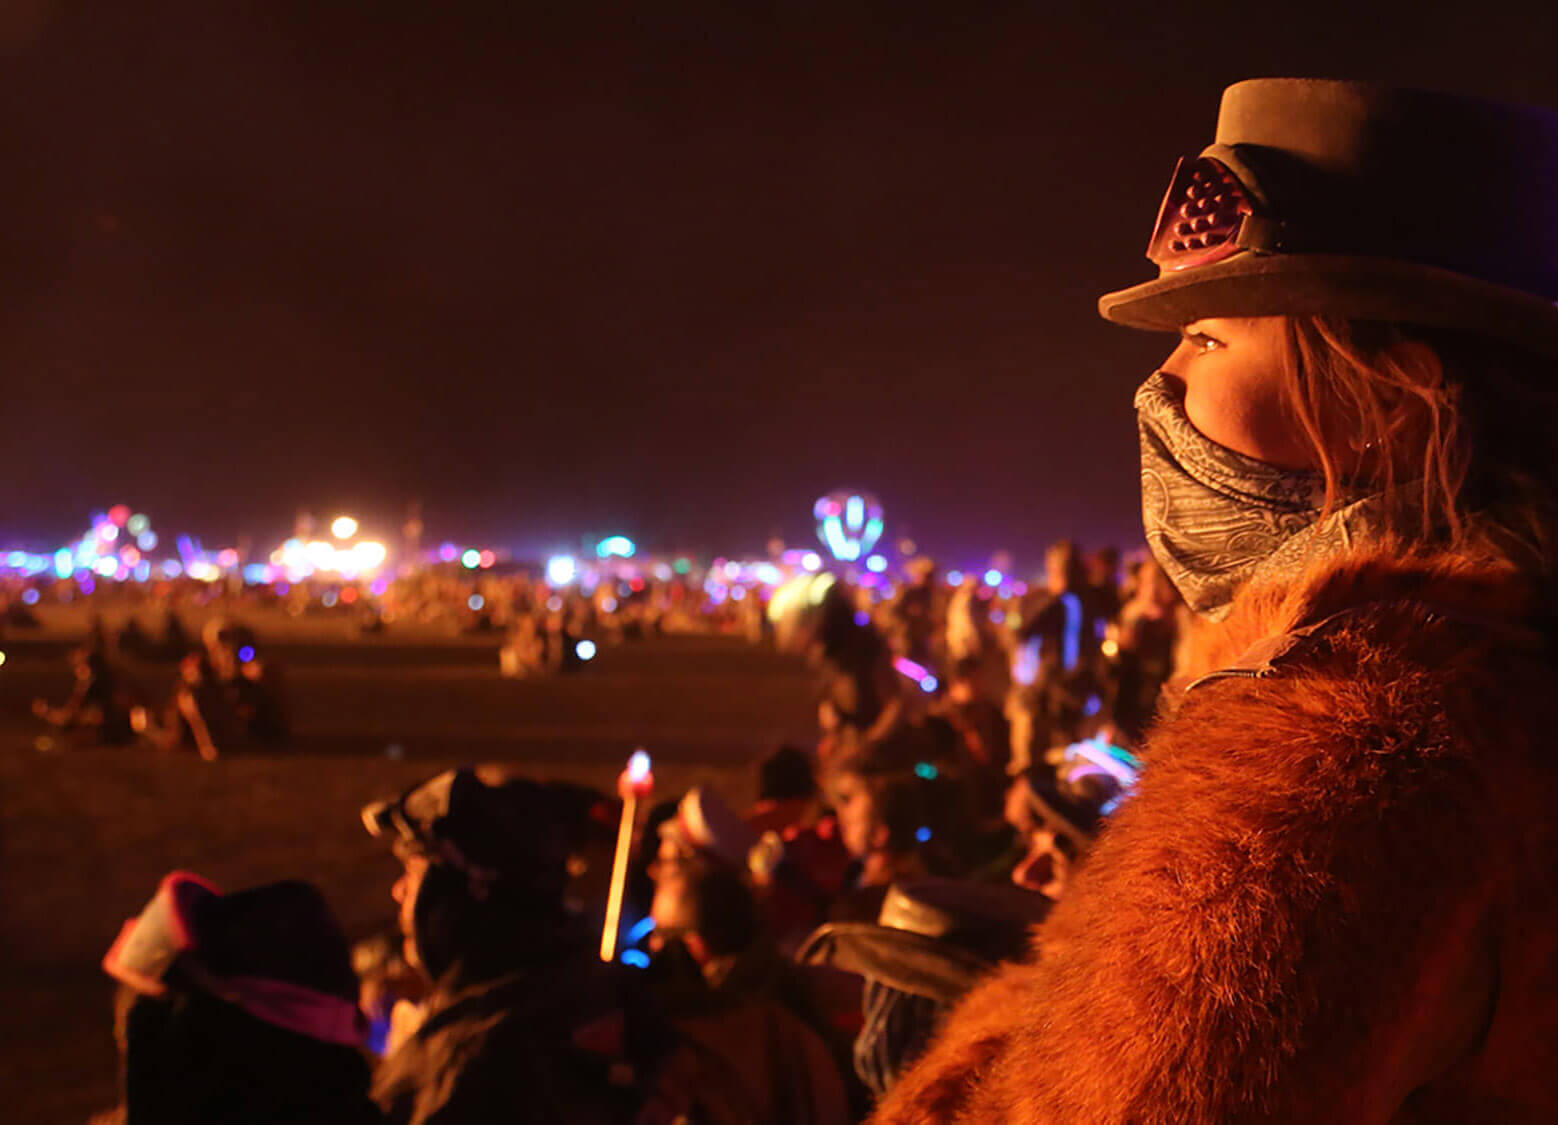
x,y
585,650
1093,705
876,564
929,684
1072,641
329,599
246,654
992,577
954,578
30,597
635,957
926,770
641,929
922,834
378,1035
475,601
862,618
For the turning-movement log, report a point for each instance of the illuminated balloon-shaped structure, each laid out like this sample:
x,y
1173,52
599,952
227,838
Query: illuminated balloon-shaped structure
x,y
849,523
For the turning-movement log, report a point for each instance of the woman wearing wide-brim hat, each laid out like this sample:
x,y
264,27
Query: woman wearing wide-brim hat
x,y
1334,895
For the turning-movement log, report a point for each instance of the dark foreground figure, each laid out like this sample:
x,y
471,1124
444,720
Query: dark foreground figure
x,y
522,1022
238,1008
1335,895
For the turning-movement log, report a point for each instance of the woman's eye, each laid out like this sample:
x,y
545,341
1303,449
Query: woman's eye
x,y
1201,342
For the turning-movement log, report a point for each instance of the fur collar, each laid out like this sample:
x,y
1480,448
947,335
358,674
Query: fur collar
x,y
1471,586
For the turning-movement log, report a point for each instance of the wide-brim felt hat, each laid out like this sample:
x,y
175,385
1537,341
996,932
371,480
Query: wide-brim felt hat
x,y
1323,197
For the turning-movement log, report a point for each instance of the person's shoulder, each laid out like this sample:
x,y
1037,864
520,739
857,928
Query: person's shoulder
x,y
1377,605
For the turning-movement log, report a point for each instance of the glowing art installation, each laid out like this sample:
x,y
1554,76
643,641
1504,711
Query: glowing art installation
x,y
849,523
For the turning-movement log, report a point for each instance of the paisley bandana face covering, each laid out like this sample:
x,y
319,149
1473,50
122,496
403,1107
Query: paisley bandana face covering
x,y
1214,518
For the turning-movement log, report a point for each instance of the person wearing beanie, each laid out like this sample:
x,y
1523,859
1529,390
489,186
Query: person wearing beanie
x,y
522,1022
238,1008
1332,894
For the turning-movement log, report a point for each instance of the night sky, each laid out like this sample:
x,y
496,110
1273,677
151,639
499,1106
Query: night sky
x,y
665,269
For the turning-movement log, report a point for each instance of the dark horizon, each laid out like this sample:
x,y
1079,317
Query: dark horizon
x,y
582,270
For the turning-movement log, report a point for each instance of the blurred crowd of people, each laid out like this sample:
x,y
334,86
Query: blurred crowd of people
x,y
227,688
225,693
784,963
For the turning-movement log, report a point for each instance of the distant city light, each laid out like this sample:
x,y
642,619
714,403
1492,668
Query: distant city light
x,y
30,597
137,524
475,601
471,559
343,527
561,570
993,577
812,561
618,546
876,564
366,554
585,650
954,578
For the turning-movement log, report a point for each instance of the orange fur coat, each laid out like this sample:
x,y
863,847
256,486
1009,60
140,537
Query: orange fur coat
x,y
1333,898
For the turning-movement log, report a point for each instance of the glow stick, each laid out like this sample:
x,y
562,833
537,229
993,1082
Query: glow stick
x,y
636,781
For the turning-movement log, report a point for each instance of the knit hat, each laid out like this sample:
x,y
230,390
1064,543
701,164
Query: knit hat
x,y
274,951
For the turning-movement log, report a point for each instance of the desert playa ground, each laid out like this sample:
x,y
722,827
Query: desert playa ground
x,y
85,833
